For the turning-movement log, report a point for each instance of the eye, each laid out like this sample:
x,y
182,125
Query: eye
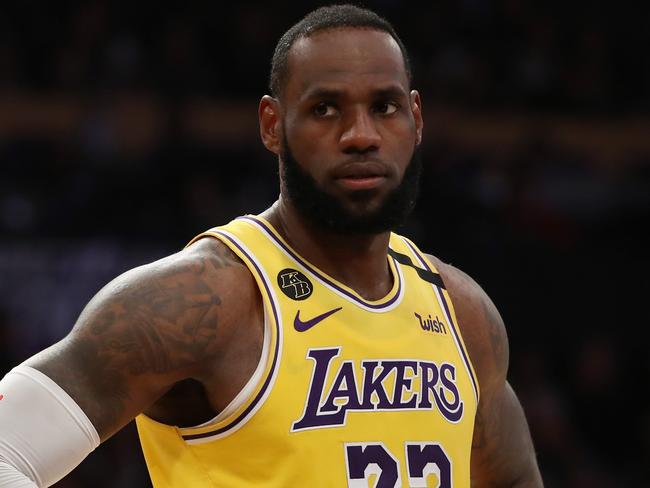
x,y
386,108
324,109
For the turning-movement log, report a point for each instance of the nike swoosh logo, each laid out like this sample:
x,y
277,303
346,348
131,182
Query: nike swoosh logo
x,y
301,326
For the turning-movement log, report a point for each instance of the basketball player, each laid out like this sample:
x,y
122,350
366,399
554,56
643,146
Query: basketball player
x,y
304,347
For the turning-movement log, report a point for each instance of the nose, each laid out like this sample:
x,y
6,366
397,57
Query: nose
x,y
360,134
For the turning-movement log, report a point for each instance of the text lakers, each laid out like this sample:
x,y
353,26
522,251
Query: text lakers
x,y
378,384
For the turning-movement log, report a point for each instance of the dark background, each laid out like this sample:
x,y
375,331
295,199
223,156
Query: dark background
x,y
128,127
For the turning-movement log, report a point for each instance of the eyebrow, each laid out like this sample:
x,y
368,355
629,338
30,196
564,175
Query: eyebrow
x,y
391,91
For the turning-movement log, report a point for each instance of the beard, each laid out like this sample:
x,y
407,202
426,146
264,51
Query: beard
x,y
331,214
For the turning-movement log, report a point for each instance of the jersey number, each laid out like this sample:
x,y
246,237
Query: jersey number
x,y
373,458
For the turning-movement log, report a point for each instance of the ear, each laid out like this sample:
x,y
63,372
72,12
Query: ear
x,y
416,108
270,127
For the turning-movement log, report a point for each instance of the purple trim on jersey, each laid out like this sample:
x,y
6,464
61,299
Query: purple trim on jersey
x,y
424,263
324,278
260,394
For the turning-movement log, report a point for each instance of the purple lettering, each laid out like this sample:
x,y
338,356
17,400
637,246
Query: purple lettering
x,y
374,385
423,323
353,390
401,382
344,387
440,327
311,418
452,411
424,459
428,381
372,459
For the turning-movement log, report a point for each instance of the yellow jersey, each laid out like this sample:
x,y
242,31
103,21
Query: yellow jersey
x,y
348,392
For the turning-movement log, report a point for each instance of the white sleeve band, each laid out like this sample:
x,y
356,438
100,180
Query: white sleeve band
x,y
44,434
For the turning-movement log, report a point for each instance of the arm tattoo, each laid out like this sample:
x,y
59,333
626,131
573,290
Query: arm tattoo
x,y
161,325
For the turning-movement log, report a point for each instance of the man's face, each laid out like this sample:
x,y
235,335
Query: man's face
x,y
350,128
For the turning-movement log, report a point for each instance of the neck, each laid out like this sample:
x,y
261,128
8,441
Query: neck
x,y
359,261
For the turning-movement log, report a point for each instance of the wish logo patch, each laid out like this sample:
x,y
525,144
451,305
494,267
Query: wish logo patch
x,y
294,284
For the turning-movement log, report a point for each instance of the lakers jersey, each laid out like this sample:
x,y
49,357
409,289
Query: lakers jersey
x,y
348,392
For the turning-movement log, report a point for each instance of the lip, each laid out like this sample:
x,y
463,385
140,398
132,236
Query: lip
x,y
361,169
361,175
361,183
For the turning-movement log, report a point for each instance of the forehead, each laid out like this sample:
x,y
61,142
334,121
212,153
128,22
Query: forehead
x,y
345,57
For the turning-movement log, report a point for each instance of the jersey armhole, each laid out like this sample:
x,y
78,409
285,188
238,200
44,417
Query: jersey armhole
x,y
254,393
248,389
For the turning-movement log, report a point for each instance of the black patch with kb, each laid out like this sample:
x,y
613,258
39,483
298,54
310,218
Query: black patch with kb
x,y
294,284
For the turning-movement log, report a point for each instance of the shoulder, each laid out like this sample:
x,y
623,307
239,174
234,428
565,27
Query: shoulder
x,y
180,310
480,323
201,273
149,328
207,259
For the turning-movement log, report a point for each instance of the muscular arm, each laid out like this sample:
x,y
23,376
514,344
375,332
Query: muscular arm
x,y
147,330
502,449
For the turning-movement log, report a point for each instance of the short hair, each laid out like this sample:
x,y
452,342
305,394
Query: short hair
x,y
325,18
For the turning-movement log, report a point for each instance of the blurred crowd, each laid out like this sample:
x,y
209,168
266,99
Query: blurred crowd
x,y
550,55
125,130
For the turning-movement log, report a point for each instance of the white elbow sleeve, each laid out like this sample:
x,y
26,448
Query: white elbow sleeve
x,y
44,434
